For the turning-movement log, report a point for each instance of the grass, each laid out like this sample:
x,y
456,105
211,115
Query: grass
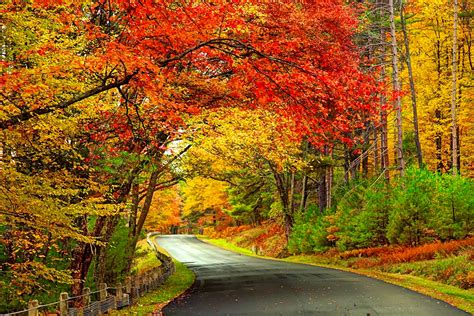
x,y
453,270
463,299
222,243
145,258
174,286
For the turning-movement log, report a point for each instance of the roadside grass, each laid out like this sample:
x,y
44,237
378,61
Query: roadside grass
x,y
174,286
222,243
461,298
145,258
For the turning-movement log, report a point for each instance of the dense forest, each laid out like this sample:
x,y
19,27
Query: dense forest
x,y
316,125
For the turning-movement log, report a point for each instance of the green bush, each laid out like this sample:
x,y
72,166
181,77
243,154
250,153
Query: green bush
x,y
453,218
419,207
415,196
430,206
310,232
363,217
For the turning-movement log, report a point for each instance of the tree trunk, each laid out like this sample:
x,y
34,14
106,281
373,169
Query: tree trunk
x,y
419,153
454,129
82,258
438,115
376,151
303,194
384,158
292,193
322,196
396,88
329,180
101,266
140,221
282,185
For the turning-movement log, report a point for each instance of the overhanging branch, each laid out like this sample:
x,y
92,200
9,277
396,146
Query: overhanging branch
x,y
62,105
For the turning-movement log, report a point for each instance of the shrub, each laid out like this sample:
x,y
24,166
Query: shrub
x,y
310,232
395,255
453,218
415,198
362,216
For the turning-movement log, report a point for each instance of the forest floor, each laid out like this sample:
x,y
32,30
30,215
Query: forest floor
x,y
441,270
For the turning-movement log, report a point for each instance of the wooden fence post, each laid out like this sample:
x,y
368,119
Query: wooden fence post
x,y
119,295
119,291
137,285
63,307
102,292
80,311
87,296
128,285
33,308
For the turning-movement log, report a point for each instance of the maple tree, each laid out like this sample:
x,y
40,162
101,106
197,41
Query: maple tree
x,y
266,172
164,216
93,92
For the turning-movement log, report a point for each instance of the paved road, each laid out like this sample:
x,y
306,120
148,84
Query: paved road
x,y
232,284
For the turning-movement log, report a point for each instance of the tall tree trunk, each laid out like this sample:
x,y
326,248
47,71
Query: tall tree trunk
x,y
101,261
347,164
82,258
329,180
282,184
384,157
304,194
292,193
438,115
322,193
140,220
376,150
419,153
396,88
454,129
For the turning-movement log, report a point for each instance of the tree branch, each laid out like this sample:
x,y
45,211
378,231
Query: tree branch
x,y
14,120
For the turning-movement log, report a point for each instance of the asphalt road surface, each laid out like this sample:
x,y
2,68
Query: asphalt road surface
x,y
232,284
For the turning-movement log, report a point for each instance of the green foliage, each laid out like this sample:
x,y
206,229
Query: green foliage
x,y
414,198
419,207
362,216
454,218
116,260
452,270
174,286
310,232
427,205
251,199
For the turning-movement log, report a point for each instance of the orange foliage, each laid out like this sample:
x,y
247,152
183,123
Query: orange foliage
x,y
164,212
269,239
386,255
272,230
227,231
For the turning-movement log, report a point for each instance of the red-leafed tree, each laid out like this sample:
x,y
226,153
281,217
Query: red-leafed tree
x,y
130,69
297,58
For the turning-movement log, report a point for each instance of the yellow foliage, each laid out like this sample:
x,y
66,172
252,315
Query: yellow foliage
x,y
430,32
203,194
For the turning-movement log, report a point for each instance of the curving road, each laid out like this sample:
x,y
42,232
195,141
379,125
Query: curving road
x,y
232,284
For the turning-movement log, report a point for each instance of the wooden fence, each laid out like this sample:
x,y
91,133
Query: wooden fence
x,y
106,298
